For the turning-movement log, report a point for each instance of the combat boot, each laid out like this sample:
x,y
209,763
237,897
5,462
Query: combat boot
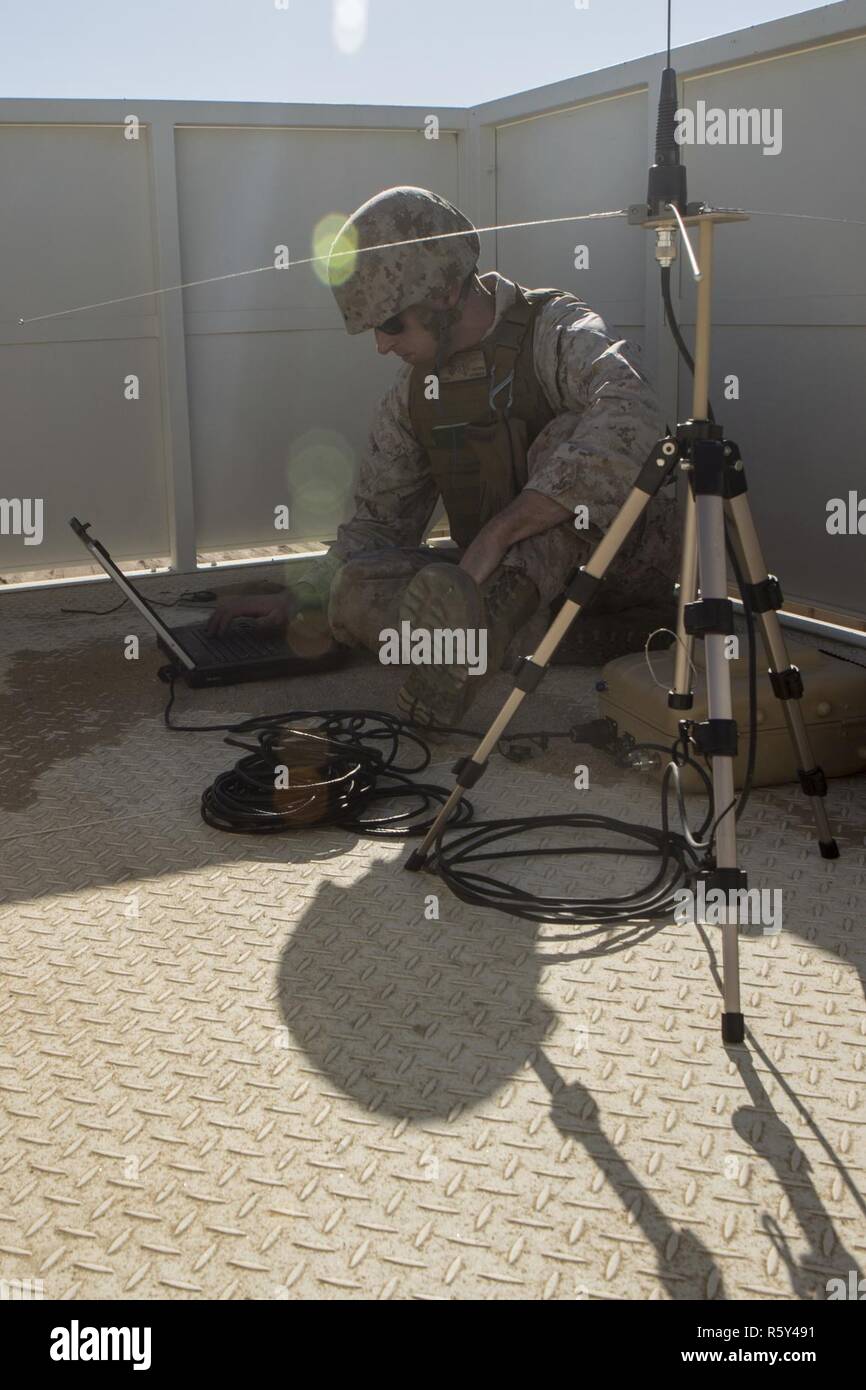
x,y
447,599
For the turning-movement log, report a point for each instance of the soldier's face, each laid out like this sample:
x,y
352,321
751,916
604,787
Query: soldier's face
x,y
414,344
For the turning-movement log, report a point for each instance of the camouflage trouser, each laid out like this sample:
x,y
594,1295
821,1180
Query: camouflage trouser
x,y
365,593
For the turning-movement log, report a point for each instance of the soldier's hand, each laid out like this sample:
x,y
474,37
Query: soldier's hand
x,y
271,612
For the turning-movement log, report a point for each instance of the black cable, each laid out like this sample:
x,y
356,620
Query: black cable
x,y
681,856
188,598
485,891
674,327
595,732
331,774
334,773
749,616
301,778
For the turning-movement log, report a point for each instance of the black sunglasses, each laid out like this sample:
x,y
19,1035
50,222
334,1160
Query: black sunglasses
x,y
392,327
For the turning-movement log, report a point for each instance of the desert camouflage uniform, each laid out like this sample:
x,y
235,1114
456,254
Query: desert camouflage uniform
x,y
606,421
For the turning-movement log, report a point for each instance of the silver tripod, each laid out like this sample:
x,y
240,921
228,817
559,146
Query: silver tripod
x,y
716,483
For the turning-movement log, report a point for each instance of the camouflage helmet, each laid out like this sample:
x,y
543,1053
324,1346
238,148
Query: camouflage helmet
x,y
372,287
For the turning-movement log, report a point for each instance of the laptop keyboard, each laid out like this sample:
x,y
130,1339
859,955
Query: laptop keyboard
x,y
242,642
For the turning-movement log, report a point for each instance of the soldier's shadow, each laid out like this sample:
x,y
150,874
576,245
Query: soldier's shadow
x,y
409,1015
420,1019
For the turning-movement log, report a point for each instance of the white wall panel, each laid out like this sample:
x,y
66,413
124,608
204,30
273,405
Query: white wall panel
x,y
70,438
589,159
75,229
781,269
790,306
800,447
278,418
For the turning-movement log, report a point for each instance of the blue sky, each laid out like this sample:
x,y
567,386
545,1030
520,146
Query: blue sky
x,y
394,52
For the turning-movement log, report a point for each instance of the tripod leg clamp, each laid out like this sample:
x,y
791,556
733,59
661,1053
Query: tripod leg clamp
x,y
765,596
729,880
813,782
468,772
788,685
709,615
733,1029
582,587
528,675
660,464
716,738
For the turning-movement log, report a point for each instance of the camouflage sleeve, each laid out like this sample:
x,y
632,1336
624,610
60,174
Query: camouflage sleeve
x,y
608,416
396,493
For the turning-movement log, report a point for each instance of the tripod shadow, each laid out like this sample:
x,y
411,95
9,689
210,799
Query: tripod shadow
x,y
771,1139
684,1268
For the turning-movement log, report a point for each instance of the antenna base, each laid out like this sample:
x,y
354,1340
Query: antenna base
x,y
666,184
640,213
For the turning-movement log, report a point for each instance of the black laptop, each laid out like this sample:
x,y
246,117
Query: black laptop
x,y
243,653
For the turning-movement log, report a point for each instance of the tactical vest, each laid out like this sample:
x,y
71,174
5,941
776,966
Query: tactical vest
x,y
490,409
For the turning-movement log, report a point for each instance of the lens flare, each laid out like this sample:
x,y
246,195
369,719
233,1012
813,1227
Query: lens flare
x,y
341,261
320,472
349,24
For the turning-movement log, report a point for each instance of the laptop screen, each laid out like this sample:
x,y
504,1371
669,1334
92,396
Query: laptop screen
x,y
101,555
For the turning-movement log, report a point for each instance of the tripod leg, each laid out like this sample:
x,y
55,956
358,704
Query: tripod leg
x,y
787,683
530,671
722,730
681,696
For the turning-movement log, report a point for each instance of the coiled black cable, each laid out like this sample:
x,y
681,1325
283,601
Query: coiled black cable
x,y
483,890
333,773
302,778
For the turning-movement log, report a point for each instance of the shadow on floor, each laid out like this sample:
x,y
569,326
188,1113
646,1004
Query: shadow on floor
x,y
424,1019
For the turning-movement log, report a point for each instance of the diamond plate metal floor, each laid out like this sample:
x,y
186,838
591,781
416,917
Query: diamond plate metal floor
x,y
264,1068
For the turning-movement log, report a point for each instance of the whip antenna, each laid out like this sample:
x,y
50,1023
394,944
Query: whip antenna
x,y
667,177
